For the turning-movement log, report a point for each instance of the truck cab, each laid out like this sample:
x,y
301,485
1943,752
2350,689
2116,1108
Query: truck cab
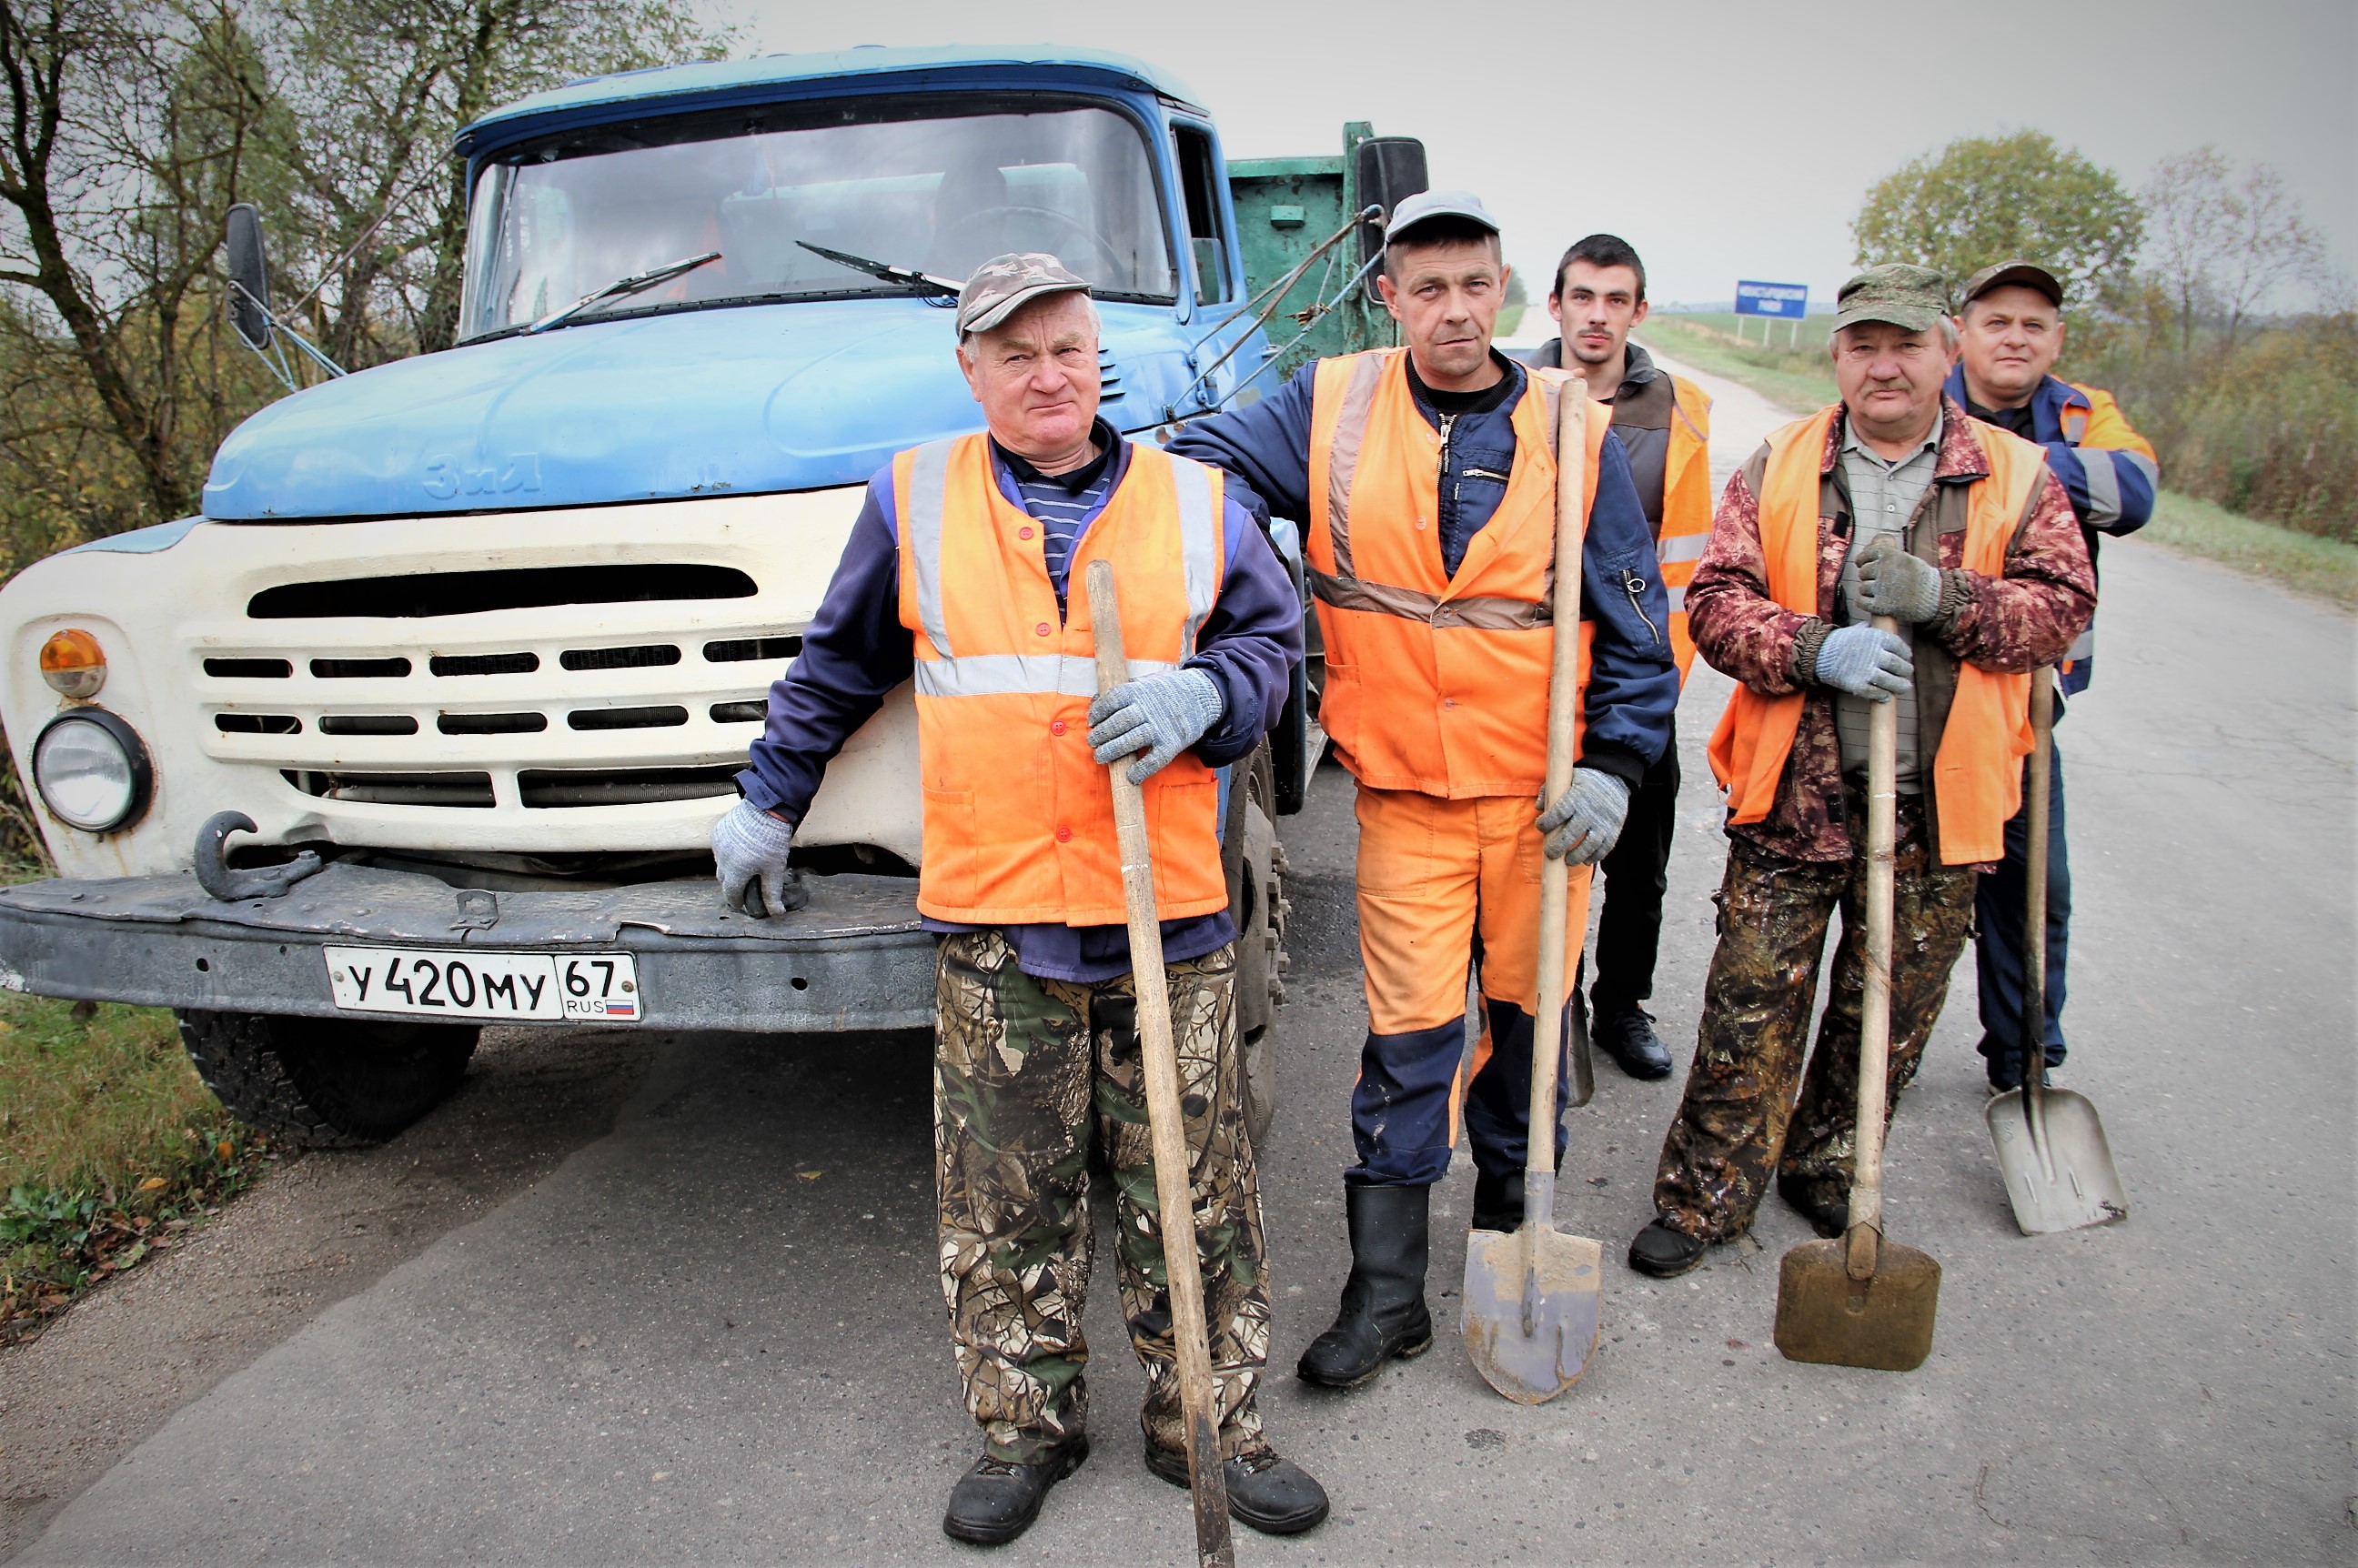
x,y
423,722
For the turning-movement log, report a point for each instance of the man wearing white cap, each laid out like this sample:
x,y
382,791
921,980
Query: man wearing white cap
x,y
958,577
1425,477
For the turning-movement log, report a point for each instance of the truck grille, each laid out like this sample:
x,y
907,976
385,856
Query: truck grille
x,y
601,720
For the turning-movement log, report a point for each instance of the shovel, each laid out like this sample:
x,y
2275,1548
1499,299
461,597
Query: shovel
x,y
1534,1298
1183,1266
1862,1300
2050,1148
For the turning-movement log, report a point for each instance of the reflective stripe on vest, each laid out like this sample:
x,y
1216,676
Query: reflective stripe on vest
x,y
1686,510
1976,773
1433,682
1018,814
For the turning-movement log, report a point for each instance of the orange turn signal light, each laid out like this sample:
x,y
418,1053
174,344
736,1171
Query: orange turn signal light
x,y
73,664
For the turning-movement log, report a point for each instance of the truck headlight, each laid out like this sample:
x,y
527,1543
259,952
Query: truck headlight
x,y
92,771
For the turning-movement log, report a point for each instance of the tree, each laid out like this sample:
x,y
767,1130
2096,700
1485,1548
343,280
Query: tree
x,y
124,135
2223,244
2018,198
129,127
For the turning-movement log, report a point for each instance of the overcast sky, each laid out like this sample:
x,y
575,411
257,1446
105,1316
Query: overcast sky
x,y
1722,140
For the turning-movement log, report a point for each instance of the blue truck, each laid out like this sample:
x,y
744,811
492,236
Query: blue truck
x,y
422,724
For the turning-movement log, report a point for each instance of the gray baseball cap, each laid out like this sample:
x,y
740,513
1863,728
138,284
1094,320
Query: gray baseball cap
x,y
2027,273
1426,205
1909,297
1004,284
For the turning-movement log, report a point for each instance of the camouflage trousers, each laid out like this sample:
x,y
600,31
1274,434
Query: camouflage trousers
x,y
1026,1072
1739,1121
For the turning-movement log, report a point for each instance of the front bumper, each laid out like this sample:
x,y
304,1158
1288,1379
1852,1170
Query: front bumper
x,y
854,957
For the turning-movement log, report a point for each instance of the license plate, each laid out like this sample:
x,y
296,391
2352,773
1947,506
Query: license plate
x,y
485,984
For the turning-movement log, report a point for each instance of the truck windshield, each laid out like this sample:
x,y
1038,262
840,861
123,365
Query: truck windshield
x,y
552,220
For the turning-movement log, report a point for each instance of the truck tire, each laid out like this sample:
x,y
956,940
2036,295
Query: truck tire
x,y
319,1083
1255,862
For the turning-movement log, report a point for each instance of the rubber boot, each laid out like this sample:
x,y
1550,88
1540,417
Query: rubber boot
x,y
1383,1311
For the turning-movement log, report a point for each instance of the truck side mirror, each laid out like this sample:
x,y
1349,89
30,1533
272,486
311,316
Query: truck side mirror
x,y
1386,171
249,277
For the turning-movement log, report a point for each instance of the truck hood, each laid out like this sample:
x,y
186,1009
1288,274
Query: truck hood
x,y
738,400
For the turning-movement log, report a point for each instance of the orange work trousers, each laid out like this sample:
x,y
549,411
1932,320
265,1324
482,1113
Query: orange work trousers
x,y
1449,888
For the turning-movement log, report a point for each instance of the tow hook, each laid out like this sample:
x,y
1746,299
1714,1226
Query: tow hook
x,y
214,873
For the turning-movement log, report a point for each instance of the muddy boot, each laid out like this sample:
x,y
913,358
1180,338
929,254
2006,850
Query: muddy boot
x,y
1383,1311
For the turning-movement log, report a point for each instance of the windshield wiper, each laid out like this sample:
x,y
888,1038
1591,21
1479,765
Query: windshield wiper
x,y
907,276
622,289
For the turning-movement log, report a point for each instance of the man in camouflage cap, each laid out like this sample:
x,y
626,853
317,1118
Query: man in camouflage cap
x,y
1890,503
958,577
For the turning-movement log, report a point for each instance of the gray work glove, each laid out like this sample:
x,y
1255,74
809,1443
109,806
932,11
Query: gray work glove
x,y
749,850
1893,582
1162,715
1865,662
1584,823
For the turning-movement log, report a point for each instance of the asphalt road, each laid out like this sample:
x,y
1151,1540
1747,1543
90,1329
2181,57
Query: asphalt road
x,y
714,1336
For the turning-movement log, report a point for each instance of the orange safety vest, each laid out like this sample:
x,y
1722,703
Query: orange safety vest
x,y
1018,813
1686,510
1977,771
1433,682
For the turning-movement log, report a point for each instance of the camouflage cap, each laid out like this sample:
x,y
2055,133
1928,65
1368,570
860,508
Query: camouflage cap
x,y
1004,284
1914,297
2025,274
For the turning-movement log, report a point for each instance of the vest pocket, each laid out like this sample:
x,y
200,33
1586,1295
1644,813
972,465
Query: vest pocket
x,y
1182,821
1338,698
947,875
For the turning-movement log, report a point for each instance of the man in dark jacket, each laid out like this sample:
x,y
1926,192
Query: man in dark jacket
x,y
2011,333
1426,479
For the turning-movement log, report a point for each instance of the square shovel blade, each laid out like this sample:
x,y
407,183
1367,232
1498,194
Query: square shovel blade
x,y
1884,1321
2071,1182
1567,1312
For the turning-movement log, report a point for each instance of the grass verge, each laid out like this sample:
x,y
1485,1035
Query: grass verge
x,y
1799,379
2307,562
2327,568
110,1149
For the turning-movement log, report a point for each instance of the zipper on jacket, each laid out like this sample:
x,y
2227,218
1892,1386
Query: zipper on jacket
x,y
1458,486
1635,587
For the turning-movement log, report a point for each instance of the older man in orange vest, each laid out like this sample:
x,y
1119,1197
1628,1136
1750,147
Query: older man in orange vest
x,y
1426,477
1890,503
959,576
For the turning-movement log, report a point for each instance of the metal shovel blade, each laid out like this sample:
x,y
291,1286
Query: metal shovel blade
x,y
1531,1331
2064,1179
1883,1321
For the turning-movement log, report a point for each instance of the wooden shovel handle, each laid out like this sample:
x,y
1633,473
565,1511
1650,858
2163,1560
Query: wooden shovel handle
x,y
1183,1257
1555,875
2034,881
1875,1008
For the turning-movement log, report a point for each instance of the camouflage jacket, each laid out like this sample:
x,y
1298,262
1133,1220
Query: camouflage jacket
x,y
2026,618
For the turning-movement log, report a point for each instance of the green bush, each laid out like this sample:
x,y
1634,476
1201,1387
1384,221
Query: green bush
x,y
2268,427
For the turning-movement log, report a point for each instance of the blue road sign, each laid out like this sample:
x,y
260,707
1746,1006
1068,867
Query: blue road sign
x,y
1788,301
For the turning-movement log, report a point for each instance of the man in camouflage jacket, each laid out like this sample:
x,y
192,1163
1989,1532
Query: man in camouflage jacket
x,y
1897,475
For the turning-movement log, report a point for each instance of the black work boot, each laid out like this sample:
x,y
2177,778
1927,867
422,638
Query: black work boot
x,y
997,1501
1383,1311
1665,1251
1274,1496
1829,1216
1627,1036
1497,1201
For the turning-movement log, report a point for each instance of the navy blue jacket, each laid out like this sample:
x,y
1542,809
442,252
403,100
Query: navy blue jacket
x,y
1633,685
2112,488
